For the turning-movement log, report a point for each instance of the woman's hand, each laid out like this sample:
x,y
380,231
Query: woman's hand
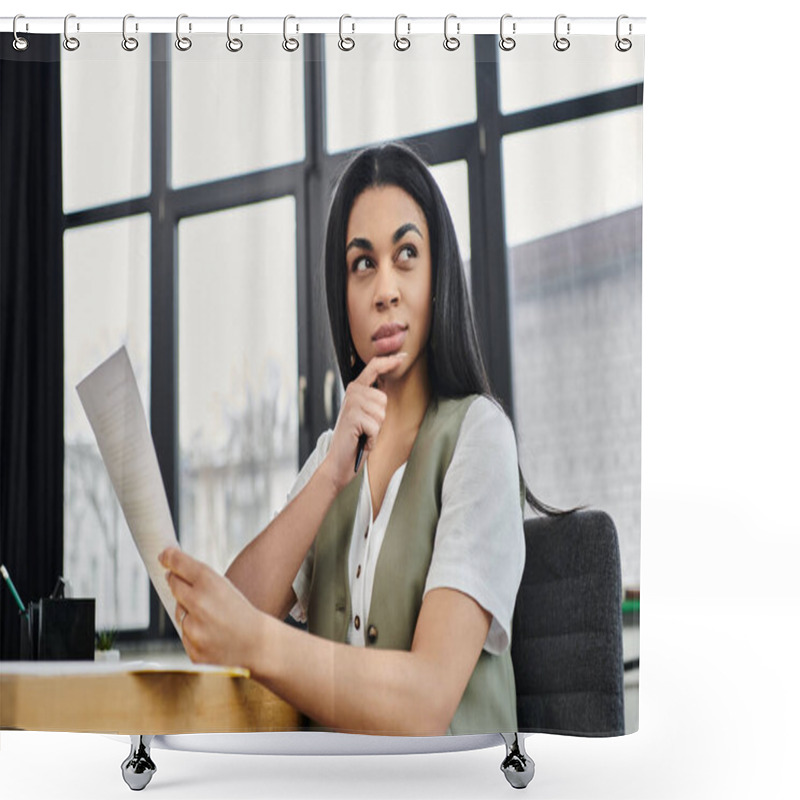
x,y
218,624
363,411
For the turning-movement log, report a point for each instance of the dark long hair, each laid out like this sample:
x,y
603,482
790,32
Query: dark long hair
x,y
455,364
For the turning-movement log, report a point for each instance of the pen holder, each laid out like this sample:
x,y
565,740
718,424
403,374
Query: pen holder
x,y
29,633
58,630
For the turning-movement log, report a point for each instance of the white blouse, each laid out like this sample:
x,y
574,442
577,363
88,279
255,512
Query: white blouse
x,y
479,546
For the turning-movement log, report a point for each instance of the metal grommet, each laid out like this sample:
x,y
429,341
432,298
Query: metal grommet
x,y
183,43
507,42
234,45
623,45
71,43
289,44
345,42
451,42
561,43
128,42
20,43
401,43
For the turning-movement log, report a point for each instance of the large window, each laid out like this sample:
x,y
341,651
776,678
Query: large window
x,y
575,278
105,121
195,200
243,123
237,318
374,92
106,305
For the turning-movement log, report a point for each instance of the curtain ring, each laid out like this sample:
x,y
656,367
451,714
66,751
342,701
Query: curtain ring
x,y
623,45
128,42
183,43
289,44
20,42
451,42
507,42
401,42
233,44
345,42
561,43
70,42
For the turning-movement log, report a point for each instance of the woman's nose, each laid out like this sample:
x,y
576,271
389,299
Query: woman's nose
x,y
386,291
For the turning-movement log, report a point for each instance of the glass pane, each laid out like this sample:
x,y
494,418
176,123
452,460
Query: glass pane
x,y
106,305
105,117
542,168
453,180
230,114
374,92
572,197
534,73
238,374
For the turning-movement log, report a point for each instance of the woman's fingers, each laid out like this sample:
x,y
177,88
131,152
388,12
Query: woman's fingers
x,y
180,616
372,429
181,564
215,620
181,590
375,411
362,406
363,412
377,366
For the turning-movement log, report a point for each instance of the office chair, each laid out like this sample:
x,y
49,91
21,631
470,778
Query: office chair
x,y
566,643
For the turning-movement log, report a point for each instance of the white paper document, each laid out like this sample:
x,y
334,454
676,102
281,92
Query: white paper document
x,y
113,405
50,669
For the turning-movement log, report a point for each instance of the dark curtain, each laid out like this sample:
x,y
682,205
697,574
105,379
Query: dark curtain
x,y
31,326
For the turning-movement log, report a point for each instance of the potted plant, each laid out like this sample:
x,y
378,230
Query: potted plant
x,y
104,645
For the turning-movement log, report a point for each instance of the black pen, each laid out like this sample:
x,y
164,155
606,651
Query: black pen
x,y
362,441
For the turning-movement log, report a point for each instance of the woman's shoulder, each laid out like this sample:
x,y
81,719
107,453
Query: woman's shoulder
x,y
485,423
476,404
485,410
485,454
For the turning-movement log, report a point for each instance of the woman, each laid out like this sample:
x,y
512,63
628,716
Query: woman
x,y
415,556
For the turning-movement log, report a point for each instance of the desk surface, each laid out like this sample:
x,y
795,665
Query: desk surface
x,y
139,699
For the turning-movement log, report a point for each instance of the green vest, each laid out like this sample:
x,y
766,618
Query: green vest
x,y
489,703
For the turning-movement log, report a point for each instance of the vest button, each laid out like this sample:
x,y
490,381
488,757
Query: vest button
x,y
372,634
357,622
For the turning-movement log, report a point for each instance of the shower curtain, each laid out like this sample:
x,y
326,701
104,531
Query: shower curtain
x,y
172,195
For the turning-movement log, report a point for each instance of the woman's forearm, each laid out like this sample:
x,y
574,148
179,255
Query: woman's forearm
x,y
266,567
353,689
340,686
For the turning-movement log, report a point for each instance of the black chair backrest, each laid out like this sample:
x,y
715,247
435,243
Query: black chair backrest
x,y
567,631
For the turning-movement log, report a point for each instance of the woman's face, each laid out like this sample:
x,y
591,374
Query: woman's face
x,y
388,256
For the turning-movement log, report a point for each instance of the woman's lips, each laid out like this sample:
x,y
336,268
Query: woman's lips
x,y
390,344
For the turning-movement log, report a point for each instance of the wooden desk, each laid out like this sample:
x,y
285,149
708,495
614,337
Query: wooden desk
x,y
145,702
129,699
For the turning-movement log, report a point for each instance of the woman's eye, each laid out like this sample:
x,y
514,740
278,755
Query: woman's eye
x,y
359,262
407,252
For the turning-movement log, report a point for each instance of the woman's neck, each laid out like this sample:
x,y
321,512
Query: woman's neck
x,y
407,399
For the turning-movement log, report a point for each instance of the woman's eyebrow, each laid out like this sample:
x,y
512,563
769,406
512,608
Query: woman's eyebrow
x,y
366,244
403,230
